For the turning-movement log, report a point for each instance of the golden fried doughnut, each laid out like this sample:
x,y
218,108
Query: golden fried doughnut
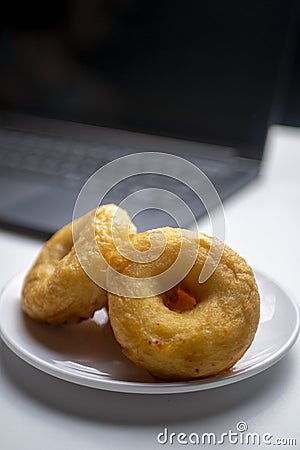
x,y
57,290
192,330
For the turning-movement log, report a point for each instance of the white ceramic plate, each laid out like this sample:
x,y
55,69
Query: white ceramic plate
x,y
88,354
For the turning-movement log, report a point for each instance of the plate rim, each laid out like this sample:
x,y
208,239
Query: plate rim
x,y
136,387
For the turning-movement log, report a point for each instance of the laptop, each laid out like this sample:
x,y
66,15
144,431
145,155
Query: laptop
x,y
88,83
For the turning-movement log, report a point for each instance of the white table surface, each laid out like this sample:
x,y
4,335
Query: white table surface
x,y
39,412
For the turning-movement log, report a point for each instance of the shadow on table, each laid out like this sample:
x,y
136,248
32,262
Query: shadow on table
x,y
137,409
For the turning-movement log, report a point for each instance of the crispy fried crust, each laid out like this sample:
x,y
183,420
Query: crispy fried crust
x,y
200,342
57,289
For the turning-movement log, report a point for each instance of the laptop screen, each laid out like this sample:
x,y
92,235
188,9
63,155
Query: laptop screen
x,y
201,71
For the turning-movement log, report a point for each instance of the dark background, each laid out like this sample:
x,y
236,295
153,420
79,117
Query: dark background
x,y
216,72
291,112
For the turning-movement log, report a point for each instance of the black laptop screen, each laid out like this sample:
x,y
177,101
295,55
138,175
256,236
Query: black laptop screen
x,y
203,71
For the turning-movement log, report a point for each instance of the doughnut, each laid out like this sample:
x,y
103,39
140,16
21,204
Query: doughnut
x,y
192,330
57,289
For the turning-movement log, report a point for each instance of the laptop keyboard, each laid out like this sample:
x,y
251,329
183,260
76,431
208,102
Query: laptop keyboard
x,y
67,161
53,170
70,162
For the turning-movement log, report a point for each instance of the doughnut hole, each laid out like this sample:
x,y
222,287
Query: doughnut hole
x,y
179,299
